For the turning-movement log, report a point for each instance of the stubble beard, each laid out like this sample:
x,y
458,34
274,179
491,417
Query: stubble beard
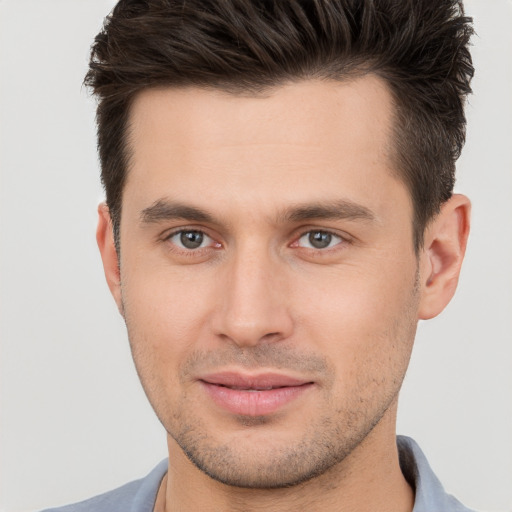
x,y
323,445
321,448
271,462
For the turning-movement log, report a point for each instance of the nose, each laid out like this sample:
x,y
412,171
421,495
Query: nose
x,y
254,305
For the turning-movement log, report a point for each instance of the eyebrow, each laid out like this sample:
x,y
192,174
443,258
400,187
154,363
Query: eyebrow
x,y
164,210
335,210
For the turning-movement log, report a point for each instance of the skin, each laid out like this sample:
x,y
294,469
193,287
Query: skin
x,y
256,296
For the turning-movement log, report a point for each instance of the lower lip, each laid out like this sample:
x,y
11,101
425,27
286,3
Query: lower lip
x,y
254,403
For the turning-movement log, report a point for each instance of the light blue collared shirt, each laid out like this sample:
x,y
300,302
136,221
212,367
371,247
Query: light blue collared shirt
x,y
140,495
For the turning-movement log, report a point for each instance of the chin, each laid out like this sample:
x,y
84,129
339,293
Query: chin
x,y
270,460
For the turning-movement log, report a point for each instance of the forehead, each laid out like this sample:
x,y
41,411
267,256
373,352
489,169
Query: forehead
x,y
297,142
311,112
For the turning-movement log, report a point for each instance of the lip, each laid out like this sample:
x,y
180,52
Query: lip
x,y
253,395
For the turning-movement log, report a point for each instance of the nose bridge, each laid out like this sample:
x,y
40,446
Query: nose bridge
x,y
254,306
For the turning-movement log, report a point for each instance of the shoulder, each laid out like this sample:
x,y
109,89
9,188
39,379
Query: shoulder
x,y
116,499
430,494
136,496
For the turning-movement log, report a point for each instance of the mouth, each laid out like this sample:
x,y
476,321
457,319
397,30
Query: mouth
x,y
253,395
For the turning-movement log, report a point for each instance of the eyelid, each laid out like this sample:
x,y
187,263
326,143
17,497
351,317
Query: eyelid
x,y
170,232
344,237
167,235
333,238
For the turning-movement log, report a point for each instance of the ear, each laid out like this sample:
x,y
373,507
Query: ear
x,y
441,258
109,256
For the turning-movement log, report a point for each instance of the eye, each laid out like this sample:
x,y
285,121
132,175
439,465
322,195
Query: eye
x,y
190,239
319,240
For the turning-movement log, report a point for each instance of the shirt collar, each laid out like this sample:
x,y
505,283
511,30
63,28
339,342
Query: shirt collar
x,y
429,492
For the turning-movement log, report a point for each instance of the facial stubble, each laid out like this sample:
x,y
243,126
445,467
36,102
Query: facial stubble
x,y
275,463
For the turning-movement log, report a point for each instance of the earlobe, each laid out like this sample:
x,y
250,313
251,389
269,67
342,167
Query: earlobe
x,y
441,258
109,256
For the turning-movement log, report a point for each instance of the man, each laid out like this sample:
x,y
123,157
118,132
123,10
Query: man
x,y
279,215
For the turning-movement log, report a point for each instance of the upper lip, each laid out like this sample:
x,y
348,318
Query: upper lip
x,y
261,381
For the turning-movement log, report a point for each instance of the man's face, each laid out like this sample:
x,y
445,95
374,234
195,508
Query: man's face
x,y
268,276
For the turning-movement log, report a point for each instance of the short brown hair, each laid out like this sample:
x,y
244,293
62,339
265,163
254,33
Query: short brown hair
x,y
420,47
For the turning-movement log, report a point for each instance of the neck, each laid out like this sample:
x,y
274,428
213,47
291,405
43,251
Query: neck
x,y
368,479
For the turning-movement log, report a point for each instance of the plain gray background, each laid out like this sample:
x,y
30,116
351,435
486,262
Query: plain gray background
x,y
74,420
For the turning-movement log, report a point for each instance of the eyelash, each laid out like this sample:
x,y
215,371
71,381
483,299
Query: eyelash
x,y
187,251
342,240
191,252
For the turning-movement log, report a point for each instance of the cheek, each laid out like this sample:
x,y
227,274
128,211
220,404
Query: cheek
x,y
366,296
166,317
166,305
364,321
